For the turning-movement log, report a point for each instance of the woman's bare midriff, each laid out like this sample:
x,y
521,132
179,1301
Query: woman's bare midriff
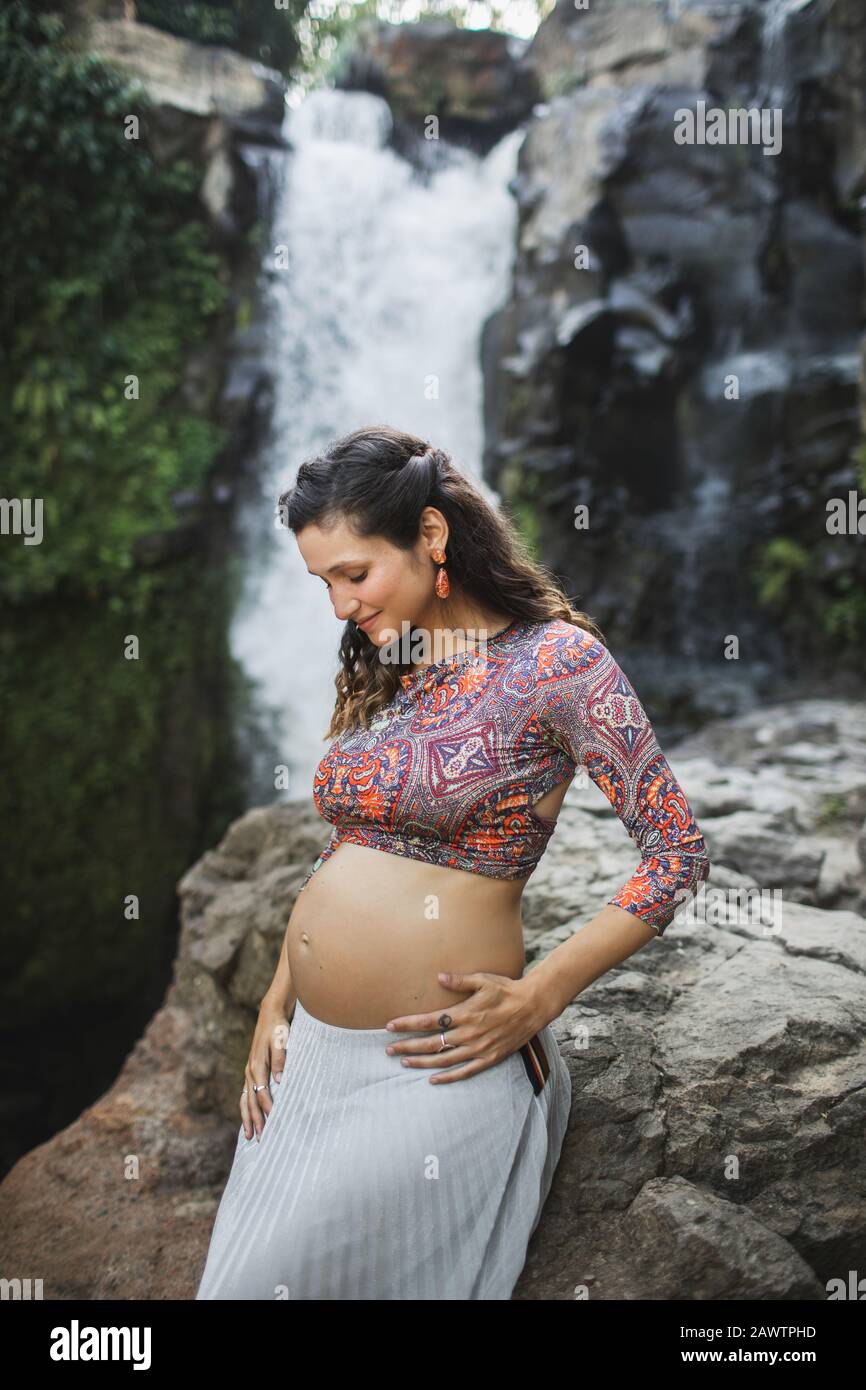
x,y
371,931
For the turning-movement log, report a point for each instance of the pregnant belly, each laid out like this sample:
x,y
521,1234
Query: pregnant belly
x,y
371,931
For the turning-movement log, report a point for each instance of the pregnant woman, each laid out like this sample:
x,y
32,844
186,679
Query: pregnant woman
x,y
399,1137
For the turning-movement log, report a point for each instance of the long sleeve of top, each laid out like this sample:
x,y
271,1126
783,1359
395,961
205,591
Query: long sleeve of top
x,y
589,707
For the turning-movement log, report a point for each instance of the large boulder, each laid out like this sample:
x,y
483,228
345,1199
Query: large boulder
x,y
208,103
474,81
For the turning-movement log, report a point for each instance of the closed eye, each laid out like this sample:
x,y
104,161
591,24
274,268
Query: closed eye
x,y
359,579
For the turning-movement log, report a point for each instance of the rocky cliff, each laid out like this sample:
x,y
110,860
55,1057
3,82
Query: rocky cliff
x,y
470,86
682,350
221,112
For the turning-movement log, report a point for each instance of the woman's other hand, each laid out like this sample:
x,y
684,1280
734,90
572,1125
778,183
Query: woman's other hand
x,y
267,1054
500,1015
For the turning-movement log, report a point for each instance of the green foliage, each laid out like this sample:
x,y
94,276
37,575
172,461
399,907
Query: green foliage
x,y
119,772
784,569
327,40
243,314
811,592
112,280
115,283
526,520
845,614
267,33
561,82
834,809
519,489
122,770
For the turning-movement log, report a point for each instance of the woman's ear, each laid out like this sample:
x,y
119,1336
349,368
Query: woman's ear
x,y
434,529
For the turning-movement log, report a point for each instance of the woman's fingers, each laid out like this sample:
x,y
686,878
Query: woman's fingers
x,y
416,1047
450,1057
259,1101
264,1068
245,1115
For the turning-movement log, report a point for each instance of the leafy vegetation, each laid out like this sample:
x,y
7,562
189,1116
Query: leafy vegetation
x,y
119,771
115,283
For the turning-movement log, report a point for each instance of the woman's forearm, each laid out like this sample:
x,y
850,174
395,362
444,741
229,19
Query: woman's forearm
x,y
607,940
280,991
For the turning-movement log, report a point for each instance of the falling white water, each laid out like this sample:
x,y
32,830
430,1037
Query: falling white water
x,y
774,58
389,280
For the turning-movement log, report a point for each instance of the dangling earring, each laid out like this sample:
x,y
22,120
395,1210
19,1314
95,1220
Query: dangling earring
x,y
443,588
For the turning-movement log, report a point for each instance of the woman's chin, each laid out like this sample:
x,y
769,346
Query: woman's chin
x,y
386,637
380,631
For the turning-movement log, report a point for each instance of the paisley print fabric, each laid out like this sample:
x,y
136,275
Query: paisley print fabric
x,y
449,771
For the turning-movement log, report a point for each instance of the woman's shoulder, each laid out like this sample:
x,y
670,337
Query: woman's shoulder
x,y
562,647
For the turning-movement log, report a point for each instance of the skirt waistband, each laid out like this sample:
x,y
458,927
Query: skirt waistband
x,y
355,1037
361,1051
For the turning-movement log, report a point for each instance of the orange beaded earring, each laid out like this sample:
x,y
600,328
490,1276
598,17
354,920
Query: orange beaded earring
x,y
443,588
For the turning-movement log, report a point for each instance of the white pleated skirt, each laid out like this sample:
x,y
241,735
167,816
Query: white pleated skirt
x,y
371,1183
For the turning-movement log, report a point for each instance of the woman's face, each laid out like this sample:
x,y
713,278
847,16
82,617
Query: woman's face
x,y
367,577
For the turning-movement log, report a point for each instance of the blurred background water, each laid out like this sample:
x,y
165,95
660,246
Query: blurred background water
x,y
391,271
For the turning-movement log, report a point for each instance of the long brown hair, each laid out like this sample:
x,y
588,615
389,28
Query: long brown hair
x,y
379,480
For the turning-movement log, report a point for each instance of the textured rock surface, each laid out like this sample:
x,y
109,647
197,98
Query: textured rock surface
x,y
473,80
648,275
719,1075
197,78
208,103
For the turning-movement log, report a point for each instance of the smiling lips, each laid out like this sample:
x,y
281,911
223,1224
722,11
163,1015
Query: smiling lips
x,y
369,620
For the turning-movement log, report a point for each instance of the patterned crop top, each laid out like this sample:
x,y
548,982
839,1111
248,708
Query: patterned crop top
x,y
449,770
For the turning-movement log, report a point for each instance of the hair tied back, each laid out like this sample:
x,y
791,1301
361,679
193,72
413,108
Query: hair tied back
x,y
421,458
420,471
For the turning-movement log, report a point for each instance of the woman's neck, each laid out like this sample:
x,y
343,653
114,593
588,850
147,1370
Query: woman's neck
x,y
463,628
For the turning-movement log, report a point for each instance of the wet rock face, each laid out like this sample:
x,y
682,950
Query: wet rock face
x,y
717,1074
681,351
474,81
207,103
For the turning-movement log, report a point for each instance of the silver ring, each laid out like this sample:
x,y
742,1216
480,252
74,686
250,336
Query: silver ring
x,y
262,1087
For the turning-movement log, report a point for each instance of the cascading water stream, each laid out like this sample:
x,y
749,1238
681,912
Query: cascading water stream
x,y
375,319
774,73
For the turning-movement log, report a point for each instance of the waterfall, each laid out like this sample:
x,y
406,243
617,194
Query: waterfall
x,y
774,68
391,274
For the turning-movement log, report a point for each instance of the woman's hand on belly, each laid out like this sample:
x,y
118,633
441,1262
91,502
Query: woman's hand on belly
x,y
372,931
497,1018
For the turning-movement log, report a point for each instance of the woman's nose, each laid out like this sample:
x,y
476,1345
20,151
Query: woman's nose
x,y
344,612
